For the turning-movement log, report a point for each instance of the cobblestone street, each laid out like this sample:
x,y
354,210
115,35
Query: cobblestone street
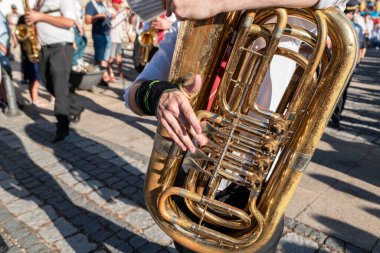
x,y
85,194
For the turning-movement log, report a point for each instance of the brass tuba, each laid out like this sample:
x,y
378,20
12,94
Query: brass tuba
x,y
26,35
262,151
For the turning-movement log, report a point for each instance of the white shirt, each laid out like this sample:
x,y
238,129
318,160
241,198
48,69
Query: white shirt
x,y
159,66
49,34
118,30
79,12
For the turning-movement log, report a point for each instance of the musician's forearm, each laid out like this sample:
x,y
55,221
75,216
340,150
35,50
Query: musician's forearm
x,y
132,104
61,22
228,5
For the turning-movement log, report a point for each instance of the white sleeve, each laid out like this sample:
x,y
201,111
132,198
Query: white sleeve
x,y
323,4
159,66
67,8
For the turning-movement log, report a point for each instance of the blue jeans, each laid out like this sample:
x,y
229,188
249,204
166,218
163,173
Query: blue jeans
x,y
102,47
81,42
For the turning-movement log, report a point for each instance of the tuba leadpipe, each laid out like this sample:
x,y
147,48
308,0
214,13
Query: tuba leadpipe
x,y
264,152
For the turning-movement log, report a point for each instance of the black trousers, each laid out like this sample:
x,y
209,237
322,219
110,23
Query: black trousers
x,y
55,67
337,114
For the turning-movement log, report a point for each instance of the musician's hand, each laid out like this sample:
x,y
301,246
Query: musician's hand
x,y
100,16
175,113
32,17
162,23
190,9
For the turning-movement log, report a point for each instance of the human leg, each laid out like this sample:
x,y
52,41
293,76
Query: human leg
x,y
59,64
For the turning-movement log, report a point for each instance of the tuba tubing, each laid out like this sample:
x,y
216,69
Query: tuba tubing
x,y
238,141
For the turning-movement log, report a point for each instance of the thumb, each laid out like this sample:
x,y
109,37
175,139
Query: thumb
x,y
194,86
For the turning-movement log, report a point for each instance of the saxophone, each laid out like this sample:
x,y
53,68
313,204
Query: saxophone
x,y
147,41
262,151
26,35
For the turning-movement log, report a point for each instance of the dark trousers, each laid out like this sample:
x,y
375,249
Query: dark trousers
x,y
336,117
55,67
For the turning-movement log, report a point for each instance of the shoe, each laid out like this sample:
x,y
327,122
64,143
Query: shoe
x,y
38,103
335,123
104,83
60,136
76,118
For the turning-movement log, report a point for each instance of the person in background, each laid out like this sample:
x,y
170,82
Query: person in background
x,y
370,25
376,37
12,19
336,117
4,61
118,30
80,40
96,13
358,19
55,20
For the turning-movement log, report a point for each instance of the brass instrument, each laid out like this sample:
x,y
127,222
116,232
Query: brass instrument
x,y
263,151
147,41
26,35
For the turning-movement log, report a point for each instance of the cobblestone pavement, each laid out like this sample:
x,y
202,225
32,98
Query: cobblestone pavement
x,y
85,194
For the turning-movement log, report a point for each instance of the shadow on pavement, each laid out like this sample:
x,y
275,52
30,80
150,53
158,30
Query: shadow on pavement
x,y
45,188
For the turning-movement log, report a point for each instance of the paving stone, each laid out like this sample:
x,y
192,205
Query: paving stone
x,y
3,175
28,241
12,225
83,188
8,184
137,242
150,247
303,229
120,206
80,175
139,219
294,243
107,154
101,235
22,206
335,244
68,179
324,249
94,196
290,223
57,231
38,248
318,236
19,234
38,217
14,249
77,243
353,249
11,194
118,161
156,234
107,193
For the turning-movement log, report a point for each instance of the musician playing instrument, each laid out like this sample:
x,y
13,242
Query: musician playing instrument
x,y
54,21
173,109
151,94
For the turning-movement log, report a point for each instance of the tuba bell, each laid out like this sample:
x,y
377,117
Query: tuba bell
x,y
260,150
26,35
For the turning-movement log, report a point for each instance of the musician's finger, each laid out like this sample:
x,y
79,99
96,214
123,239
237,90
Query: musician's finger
x,y
200,138
172,134
180,132
189,115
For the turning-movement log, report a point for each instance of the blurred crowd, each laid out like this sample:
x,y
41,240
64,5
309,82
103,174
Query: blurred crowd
x,y
114,28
